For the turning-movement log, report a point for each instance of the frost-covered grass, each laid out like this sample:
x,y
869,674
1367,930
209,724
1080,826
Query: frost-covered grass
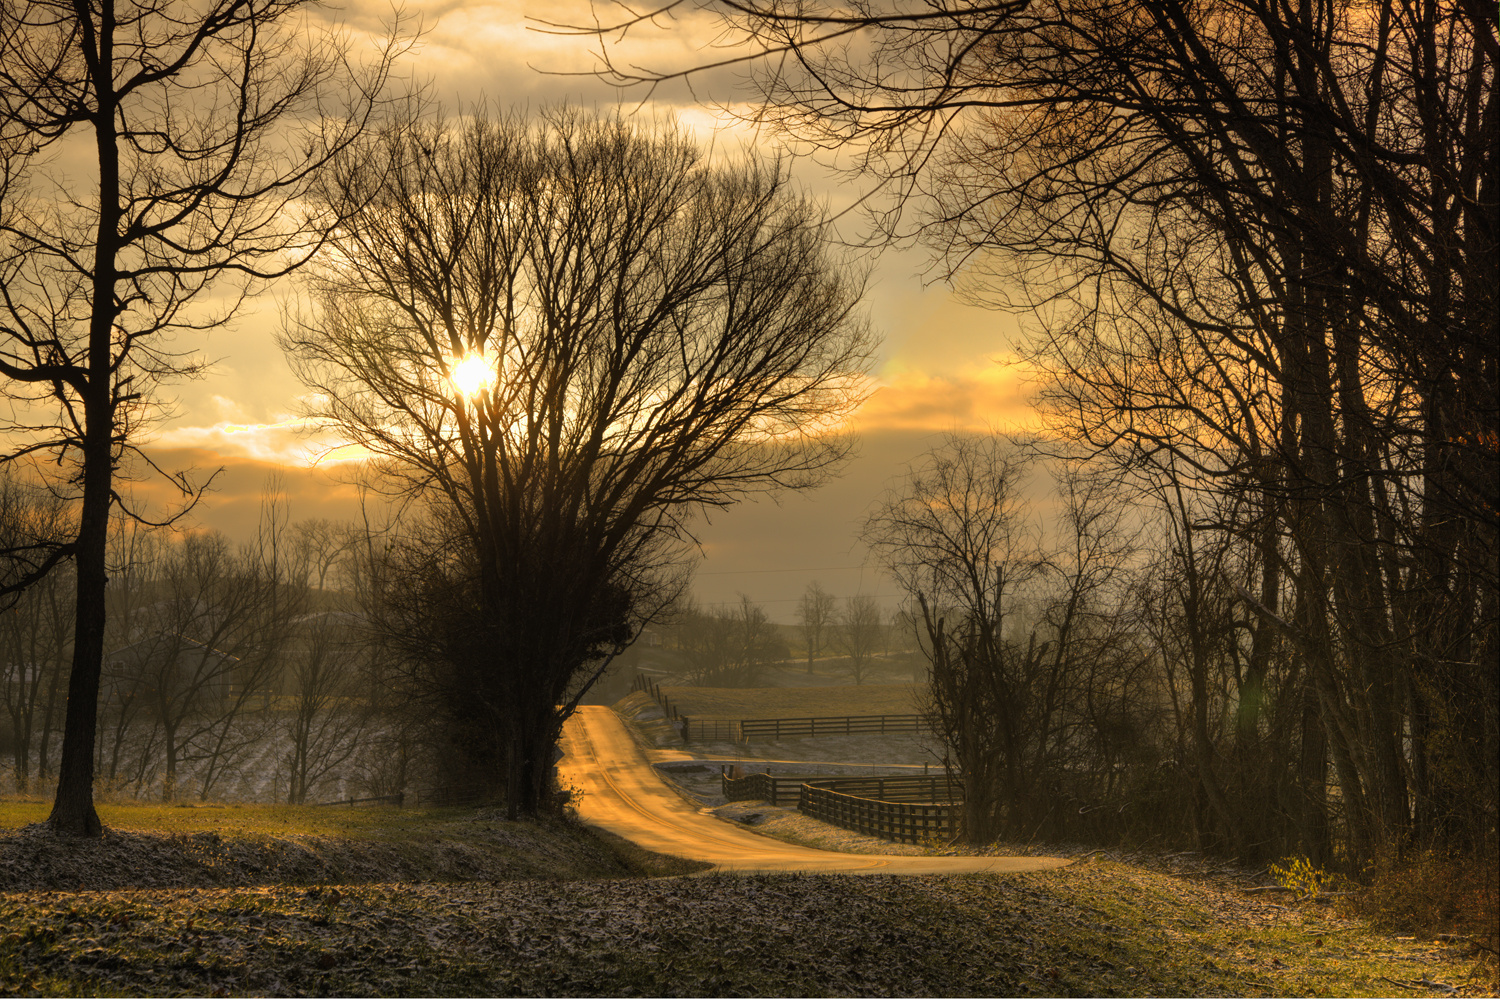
x,y
279,900
163,846
1097,929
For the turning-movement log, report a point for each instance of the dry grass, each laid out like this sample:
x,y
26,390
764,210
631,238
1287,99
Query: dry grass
x,y
381,821
1429,893
794,702
1097,929
161,846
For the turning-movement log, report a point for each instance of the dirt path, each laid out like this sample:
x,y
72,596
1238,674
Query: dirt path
x,y
623,795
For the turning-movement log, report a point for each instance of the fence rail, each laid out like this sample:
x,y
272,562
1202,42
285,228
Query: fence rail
x,y
776,728
745,729
779,788
901,821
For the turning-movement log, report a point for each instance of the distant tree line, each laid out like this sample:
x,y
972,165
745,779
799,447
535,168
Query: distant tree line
x,y
229,670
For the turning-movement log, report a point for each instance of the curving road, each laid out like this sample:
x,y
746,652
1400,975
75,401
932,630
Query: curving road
x,y
623,795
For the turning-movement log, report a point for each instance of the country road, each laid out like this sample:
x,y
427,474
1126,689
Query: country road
x,y
623,795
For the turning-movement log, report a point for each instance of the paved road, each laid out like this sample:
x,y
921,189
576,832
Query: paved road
x,y
624,795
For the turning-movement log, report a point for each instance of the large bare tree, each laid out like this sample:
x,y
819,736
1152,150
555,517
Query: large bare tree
x,y
816,613
1029,649
569,335
1262,239
153,154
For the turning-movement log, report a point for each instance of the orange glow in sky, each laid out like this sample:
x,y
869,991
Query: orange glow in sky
x,y
944,366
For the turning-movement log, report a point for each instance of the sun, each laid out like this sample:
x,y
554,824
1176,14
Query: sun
x,y
472,375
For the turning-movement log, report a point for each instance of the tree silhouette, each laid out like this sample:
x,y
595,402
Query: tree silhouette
x,y
566,337
205,125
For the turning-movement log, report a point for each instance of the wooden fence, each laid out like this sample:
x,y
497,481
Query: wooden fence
x,y
903,787
906,809
901,821
776,728
743,730
652,690
778,789
711,730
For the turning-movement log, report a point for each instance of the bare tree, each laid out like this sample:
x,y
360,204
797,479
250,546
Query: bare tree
x,y
860,634
567,336
327,712
957,536
35,631
205,123
816,613
1263,239
729,645
321,545
206,651
1025,640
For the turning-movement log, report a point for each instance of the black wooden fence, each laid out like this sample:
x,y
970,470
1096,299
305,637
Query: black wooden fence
x,y
746,729
901,821
906,809
777,728
778,789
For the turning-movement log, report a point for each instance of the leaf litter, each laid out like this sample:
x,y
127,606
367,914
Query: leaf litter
x,y
177,915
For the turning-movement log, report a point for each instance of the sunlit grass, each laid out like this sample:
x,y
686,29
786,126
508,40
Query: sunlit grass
x,y
1145,926
186,818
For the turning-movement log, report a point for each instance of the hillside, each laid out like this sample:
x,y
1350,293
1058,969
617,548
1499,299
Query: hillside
x,y
461,902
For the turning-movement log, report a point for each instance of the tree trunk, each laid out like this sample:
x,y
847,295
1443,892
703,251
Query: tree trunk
x,y
73,809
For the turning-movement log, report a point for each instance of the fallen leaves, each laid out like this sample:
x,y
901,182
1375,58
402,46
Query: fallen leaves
x,y
175,924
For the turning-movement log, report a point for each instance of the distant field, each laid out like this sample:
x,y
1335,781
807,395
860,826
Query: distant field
x,y
793,702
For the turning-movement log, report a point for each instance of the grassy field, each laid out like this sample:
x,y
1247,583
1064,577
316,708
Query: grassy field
x,y
793,702
287,901
186,818
174,846
1098,929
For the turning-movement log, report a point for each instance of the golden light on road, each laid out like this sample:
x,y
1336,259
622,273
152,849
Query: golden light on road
x,y
471,375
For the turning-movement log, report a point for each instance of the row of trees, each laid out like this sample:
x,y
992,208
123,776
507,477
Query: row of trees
x,y
1259,240
1094,672
220,664
731,645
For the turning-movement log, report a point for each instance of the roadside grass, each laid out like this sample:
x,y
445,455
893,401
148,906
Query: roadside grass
x,y
794,702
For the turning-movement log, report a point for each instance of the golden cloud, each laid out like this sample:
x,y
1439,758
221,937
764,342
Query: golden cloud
x,y
989,398
293,442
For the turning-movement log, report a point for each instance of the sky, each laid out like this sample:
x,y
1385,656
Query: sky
x,y
943,366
